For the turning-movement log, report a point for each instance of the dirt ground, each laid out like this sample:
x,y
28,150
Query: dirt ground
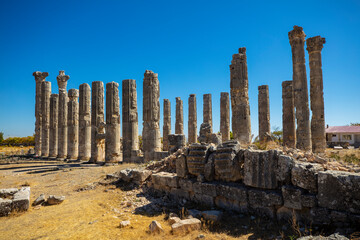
x,y
87,213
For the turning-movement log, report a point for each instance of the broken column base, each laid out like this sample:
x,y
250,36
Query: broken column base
x,y
13,199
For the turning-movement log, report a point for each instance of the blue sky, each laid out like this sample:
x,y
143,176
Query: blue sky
x,y
188,43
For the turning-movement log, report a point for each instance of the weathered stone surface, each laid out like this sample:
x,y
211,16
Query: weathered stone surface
x,y
84,122
212,215
179,121
229,204
207,110
167,124
292,197
112,138
288,115
7,192
224,116
260,198
300,88
39,200
314,47
283,171
194,213
196,158
39,78
229,161
63,115
53,136
5,207
260,168
165,179
155,227
173,220
186,184
151,115
192,123
320,215
139,176
54,200
209,168
308,200
181,166
176,142
305,175
334,236
73,125
21,199
264,113
45,117
339,190
239,86
97,122
186,225
130,132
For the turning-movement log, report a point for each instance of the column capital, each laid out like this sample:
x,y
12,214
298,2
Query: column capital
x,y
62,80
315,44
296,34
40,76
73,94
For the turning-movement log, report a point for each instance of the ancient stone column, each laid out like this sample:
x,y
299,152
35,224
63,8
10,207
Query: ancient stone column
x,y
314,47
179,123
97,122
73,125
239,87
84,122
151,115
45,117
62,116
167,124
54,111
264,113
39,78
207,109
130,131
225,116
288,115
112,139
297,41
192,123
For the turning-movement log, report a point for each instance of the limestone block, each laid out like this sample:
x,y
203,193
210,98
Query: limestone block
x,y
229,161
308,200
204,199
196,158
155,227
305,175
260,198
173,220
54,200
339,191
7,192
139,176
181,166
208,189
234,205
186,225
260,168
320,215
212,215
292,197
179,193
21,199
209,169
166,179
237,192
5,207
283,173
176,141
186,185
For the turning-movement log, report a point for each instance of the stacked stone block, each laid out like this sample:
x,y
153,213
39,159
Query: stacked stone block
x,y
264,113
73,125
84,122
130,121
303,135
239,87
39,79
192,123
314,47
63,115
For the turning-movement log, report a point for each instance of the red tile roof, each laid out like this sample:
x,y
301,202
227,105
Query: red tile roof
x,y
343,129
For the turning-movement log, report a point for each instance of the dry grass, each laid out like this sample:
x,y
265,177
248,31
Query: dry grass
x,y
91,214
344,155
14,150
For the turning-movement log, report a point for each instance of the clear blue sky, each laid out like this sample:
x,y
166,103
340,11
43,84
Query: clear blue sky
x,y
188,43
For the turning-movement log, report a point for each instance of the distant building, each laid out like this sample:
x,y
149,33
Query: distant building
x,y
340,135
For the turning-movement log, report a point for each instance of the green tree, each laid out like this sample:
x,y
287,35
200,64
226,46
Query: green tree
x,y
1,137
354,124
277,134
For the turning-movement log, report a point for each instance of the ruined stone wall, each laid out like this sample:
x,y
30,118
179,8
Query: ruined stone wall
x,y
265,183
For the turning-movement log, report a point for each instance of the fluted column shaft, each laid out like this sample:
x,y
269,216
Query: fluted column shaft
x,y
45,110
73,125
167,124
54,111
84,122
192,123
224,116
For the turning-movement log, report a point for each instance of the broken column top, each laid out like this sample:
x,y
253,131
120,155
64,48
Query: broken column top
x,y
150,74
62,80
177,98
287,83
73,94
296,33
192,95
266,87
40,76
315,43
113,83
239,57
